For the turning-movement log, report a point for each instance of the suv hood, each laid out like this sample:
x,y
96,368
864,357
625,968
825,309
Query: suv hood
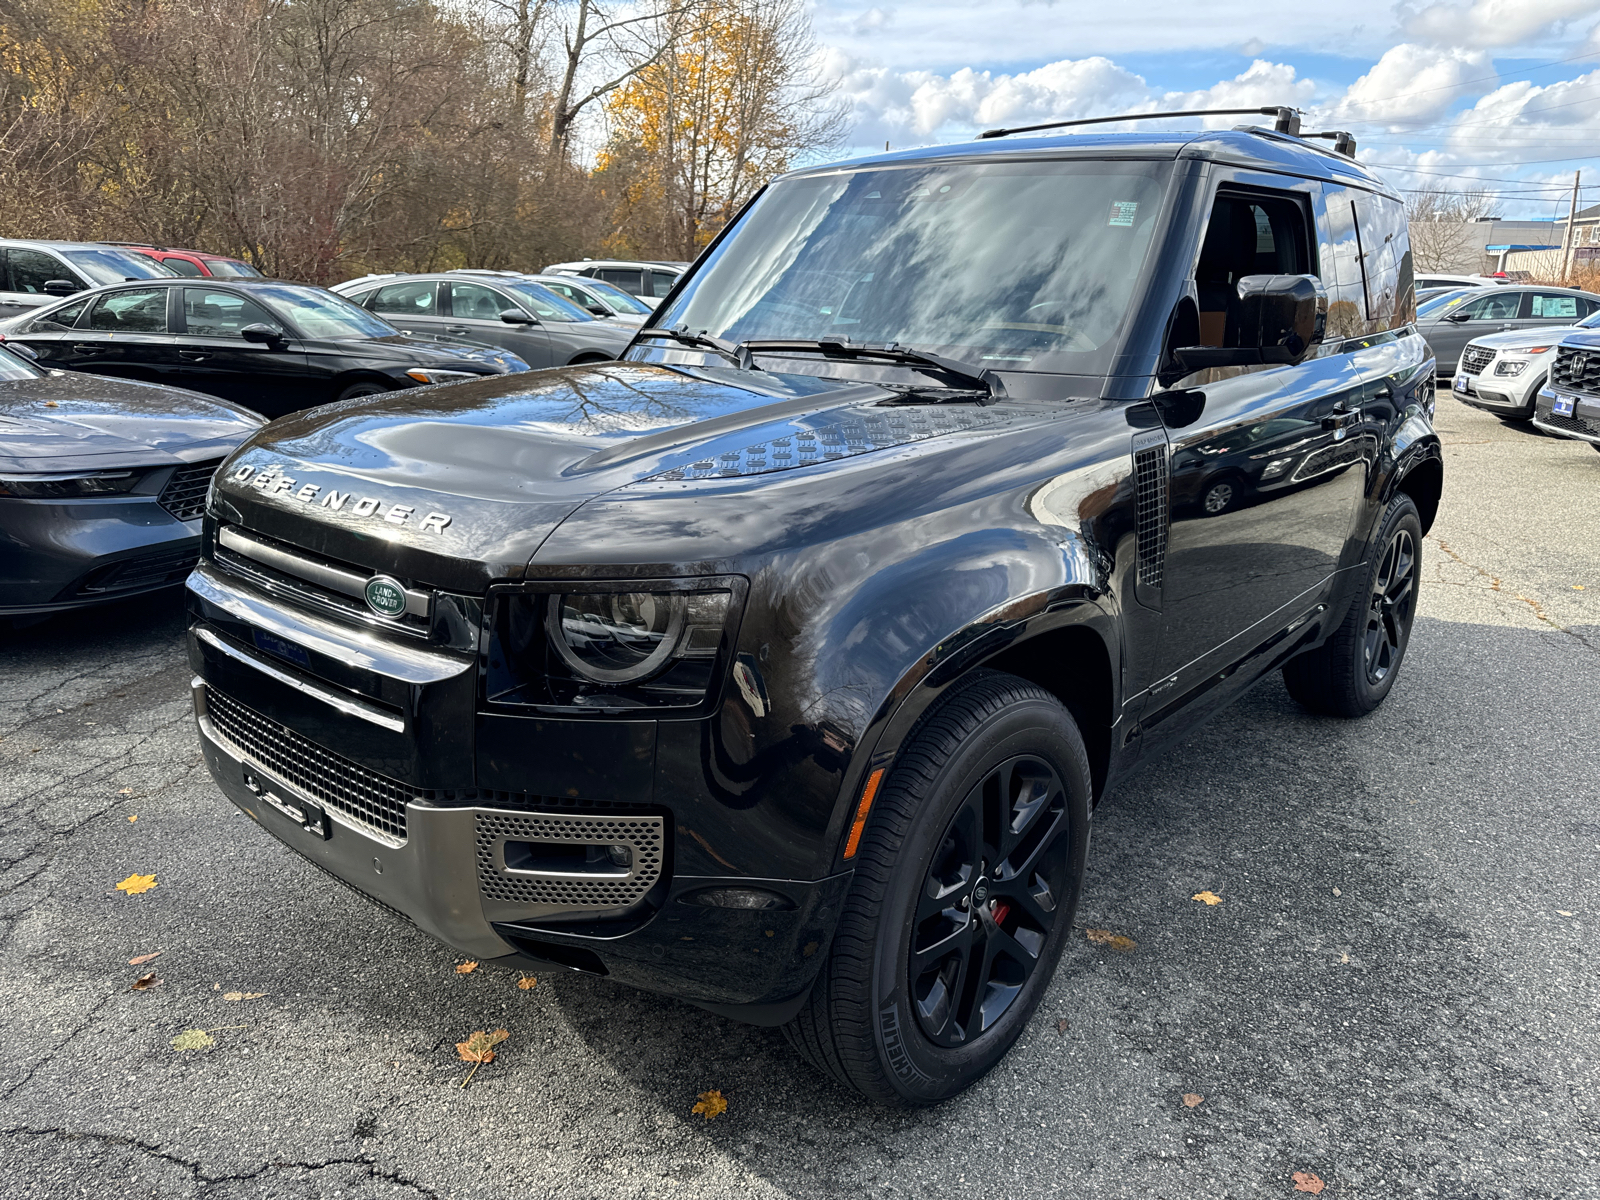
x,y
66,419
1543,335
458,485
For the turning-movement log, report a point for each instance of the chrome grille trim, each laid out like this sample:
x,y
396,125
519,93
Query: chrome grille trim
x,y
373,803
1475,358
1584,379
323,574
348,705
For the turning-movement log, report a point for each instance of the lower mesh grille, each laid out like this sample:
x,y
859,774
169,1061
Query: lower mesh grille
x,y
185,494
641,835
1574,424
373,801
149,570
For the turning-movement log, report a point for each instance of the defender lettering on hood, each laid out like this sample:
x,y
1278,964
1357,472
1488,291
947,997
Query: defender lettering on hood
x,y
271,481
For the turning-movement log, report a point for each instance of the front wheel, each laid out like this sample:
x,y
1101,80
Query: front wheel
x,y
364,387
1351,673
963,896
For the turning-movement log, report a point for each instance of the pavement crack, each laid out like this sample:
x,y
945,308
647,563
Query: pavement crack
x,y
1496,584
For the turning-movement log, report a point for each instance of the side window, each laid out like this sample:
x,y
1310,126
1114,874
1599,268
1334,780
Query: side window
x,y
181,265
1555,306
362,298
141,310
62,318
221,314
1499,305
474,302
415,299
1246,235
629,281
1388,283
32,269
661,283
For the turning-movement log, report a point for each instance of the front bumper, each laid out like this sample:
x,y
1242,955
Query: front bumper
x,y
1489,393
1583,423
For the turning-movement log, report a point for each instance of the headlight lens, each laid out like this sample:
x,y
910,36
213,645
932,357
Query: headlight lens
x,y
616,637
434,375
1504,367
68,486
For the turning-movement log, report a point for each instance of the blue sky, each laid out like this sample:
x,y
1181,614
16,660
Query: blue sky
x,y
1491,95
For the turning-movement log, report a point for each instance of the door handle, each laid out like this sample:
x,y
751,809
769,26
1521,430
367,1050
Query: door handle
x,y
194,355
456,329
1340,418
92,348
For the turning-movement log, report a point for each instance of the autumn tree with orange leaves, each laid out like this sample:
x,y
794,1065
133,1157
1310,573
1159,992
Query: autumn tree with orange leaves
x,y
695,134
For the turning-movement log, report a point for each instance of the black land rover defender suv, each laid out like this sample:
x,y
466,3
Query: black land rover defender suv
x,y
779,666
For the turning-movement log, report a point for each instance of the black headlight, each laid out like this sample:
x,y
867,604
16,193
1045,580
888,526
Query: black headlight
x,y
70,485
611,647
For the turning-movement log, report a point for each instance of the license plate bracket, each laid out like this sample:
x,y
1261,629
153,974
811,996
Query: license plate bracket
x,y
1564,405
1461,383
307,814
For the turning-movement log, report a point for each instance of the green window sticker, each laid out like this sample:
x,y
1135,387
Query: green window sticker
x,y
1122,212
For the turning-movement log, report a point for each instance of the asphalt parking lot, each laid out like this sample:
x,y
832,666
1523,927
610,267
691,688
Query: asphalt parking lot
x,y
1397,994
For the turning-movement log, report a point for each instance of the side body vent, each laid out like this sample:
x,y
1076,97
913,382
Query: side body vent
x,y
1150,481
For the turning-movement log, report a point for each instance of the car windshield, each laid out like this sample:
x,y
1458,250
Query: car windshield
x,y
231,267
321,314
616,299
1449,299
547,304
14,366
1015,265
113,266
1592,321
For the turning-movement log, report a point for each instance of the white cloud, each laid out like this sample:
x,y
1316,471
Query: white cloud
x,y
1413,83
1488,23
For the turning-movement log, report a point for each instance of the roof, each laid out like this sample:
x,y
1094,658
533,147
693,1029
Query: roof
x,y
1247,147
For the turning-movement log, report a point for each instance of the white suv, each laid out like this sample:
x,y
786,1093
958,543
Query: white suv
x,y
1503,372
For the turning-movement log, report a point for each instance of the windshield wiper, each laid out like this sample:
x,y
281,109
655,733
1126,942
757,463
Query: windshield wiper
x,y
700,341
965,373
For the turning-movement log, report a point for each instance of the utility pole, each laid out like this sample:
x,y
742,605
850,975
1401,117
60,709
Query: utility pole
x,y
1569,240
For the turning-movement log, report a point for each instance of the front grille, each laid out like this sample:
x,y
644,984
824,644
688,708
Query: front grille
x,y
373,801
185,494
643,836
1150,480
1581,426
1475,358
1576,369
148,570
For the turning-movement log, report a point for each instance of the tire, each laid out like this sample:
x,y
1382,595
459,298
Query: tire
x,y
1351,673
930,881
364,387
1221,496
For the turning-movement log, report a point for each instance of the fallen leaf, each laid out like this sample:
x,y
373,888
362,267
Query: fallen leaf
x,y
711,1104
1305,1181
1104,937
1563,912
1577,587
52,404
1344,957
526,982
466,968
1190,1099
125,792
242,995
1337,892
145,982
144,958
479,1048
193,1039
1209,899
132,817
137,885
1061,1025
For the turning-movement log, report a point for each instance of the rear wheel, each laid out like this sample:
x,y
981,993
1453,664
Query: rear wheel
x,y
365,387
1351,673
963,896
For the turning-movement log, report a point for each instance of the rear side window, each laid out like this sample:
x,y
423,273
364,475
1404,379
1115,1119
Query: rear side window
x,y
142,310
1556,306
221,314
629,281
661,283
414,299
182,266
1376,288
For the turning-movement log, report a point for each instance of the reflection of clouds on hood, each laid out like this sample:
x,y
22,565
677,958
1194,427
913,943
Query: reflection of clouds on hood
x,y
1441,101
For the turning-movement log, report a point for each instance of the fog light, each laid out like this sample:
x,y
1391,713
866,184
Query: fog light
x,y
738,897
621,856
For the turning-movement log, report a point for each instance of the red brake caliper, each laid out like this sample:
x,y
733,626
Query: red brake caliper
x,y
1000,910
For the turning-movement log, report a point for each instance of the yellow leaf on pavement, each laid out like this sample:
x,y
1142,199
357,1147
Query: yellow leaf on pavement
x,y
1209,899
711,1104
479,1048
144,958
193,1039
242,995
526,982
1104,937
466,968
137,885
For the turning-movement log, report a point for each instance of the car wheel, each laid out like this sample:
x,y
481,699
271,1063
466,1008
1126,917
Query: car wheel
x,y
963,896
1219,498
366,387
1351,673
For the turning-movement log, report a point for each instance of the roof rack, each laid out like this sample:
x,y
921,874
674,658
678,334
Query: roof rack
x,y
1288,119
1343,142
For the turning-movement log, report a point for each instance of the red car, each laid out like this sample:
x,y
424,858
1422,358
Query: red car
x,y
194,262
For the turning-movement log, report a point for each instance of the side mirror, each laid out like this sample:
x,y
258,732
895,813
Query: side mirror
x,y
515,316
599,310
265,334
1458,317
61,287
1281,320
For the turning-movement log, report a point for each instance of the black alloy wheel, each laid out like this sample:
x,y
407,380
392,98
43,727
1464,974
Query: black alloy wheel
x,y
961,899
988,902
1391,606
1350,673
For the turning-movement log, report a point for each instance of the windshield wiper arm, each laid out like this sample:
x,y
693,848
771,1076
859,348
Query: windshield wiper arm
x,y
700,341
971,376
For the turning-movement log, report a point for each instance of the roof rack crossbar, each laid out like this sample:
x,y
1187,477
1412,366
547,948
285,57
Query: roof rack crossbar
x,y
1288,119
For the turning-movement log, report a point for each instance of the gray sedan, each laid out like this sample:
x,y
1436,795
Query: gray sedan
x,y
1449,321
504,310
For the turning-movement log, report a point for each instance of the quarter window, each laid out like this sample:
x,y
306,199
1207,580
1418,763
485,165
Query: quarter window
x,y
142,310
221,314
64,317
412,299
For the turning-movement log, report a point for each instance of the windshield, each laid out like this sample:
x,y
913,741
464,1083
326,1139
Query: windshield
x,y
616,299
1448,300
113,266
1014,265
14,366
546,305
1590,322
320,314
228,267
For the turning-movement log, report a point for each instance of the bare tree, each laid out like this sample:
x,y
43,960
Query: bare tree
x,y
1442,235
